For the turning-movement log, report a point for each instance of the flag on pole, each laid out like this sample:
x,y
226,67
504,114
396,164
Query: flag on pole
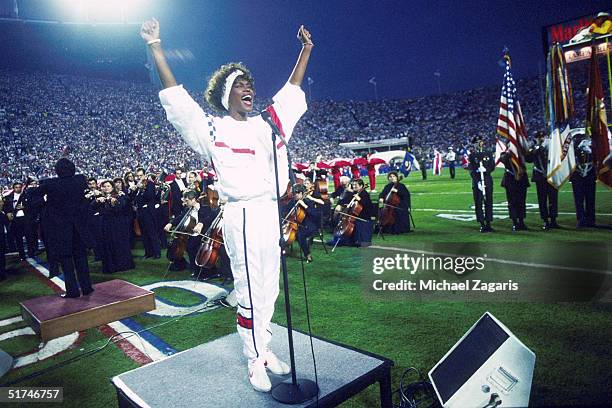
x,y
561,159
437,163
500,147
510,123
596,124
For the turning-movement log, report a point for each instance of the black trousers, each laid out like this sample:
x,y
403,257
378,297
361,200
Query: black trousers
x,y
18,232
150,236
451,170
305,232
487,214
547,200
584,199
32,235
516,195
76,268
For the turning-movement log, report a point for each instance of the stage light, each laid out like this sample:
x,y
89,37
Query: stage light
x,y
102,11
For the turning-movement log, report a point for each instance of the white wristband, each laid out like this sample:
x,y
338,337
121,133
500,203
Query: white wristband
x,y
154,41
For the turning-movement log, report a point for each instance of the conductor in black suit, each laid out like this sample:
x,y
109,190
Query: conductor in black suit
x,y
67,233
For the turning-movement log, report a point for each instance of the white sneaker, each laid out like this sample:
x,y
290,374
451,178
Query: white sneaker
x,y
258,376
275,365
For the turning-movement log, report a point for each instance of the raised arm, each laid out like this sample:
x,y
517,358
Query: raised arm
x,y
150,34
297,76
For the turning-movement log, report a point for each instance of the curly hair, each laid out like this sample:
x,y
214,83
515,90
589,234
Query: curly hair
x,y
214,90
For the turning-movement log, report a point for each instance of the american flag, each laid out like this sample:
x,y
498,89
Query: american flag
x,y
510,123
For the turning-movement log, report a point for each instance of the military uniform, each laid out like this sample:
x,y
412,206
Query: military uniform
x,y
475,159
547,194
583,183
516,192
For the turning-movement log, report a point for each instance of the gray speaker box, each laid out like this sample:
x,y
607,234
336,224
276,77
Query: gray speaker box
x,y
6,362
487,367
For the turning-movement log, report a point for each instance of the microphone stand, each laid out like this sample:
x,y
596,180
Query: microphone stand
x,y
298,390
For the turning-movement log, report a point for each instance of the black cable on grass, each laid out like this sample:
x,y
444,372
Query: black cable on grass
x,y
70,360
98,349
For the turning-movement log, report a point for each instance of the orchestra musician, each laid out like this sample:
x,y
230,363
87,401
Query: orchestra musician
x,y
401,211
362,233
145,200
177,187
200,213
114,234
4,225
305,197
14,208
240,144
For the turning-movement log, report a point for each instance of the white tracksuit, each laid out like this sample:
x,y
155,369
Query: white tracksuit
x,y
241,153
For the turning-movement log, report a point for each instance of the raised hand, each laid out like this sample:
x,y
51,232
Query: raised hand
x,y
304,36
150,30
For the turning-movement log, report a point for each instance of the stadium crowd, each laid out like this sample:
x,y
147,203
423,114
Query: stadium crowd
x,y
107,127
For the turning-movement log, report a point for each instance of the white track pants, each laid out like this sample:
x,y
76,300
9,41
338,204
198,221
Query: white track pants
x,y
251,235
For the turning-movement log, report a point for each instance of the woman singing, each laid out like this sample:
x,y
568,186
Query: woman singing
x,y
240,146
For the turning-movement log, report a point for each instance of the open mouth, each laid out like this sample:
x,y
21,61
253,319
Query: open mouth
x,y
247,100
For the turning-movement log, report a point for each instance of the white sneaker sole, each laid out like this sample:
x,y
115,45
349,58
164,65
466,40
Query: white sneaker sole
x,y
261,389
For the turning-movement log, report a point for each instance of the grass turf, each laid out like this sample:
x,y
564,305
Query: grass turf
x,y
571,339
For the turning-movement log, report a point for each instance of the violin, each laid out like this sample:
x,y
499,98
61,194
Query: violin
x,y
207,254
386,217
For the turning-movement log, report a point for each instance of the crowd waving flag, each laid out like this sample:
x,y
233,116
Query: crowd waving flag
x,y
597,123
560,104
410,163
510,123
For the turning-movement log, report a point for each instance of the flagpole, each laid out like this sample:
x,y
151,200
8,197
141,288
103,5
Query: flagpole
x,y
609,70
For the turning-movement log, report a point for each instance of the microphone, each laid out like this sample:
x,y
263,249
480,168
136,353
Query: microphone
x,y
265,115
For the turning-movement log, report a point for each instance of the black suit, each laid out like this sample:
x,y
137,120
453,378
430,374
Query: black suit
x,y
17,227
176,195
66,230
146,200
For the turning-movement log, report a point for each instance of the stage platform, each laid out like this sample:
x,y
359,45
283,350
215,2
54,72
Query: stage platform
x,y
215,375
53,316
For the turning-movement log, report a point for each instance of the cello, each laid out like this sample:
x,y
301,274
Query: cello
x,y
392,200
346,224
180,235
212,241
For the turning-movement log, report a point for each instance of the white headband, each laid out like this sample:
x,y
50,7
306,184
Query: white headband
x,y
229,81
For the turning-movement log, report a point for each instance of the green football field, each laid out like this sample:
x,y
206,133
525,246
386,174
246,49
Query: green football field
x,y
567,329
